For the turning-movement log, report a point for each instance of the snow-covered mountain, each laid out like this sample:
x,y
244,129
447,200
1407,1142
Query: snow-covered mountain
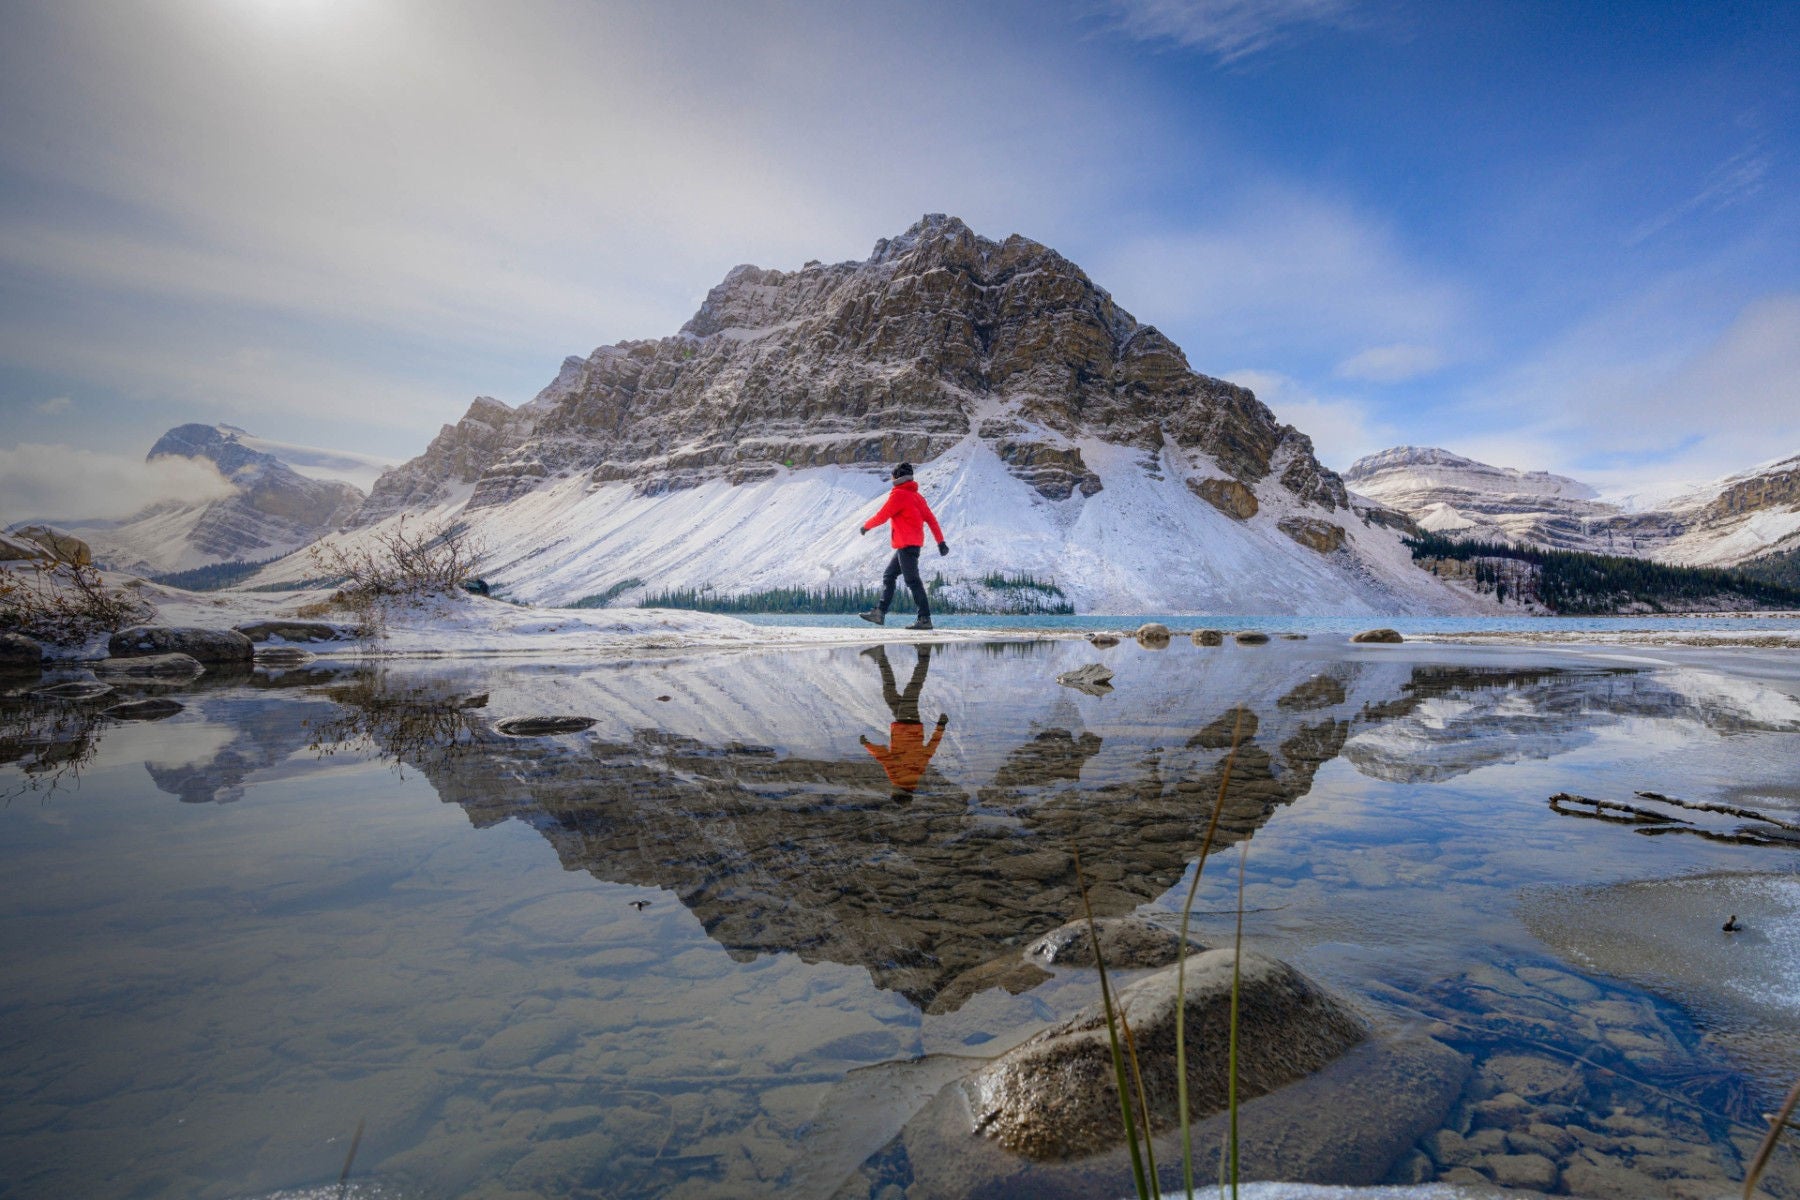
x,y
1726,522
275,509
1055,435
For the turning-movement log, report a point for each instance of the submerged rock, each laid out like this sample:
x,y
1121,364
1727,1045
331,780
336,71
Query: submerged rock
x,y
77,689
291,631
17,650
1208,637
1153,634
1095,679
154,709
1378,635
283,656
1251,637
1102,640
1054,1096
1125,943
153,666
544,726
206,645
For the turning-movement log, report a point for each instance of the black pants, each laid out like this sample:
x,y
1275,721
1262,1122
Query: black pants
x,y
905,561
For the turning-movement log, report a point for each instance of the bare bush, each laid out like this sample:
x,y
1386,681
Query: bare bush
x,y
404,562
63,603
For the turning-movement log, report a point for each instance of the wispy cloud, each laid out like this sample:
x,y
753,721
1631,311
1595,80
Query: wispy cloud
x,y
1390,364
1226,29
54,405
1731,182
64,482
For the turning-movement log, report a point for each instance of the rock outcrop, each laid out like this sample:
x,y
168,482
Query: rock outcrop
x,y
940,333
63,547
202,645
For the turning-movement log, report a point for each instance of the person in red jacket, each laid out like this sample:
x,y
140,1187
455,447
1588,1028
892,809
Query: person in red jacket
x,y
909,514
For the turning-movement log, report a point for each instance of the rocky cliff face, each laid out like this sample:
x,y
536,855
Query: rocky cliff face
x,y
1732,520
939,335
273,511
456,458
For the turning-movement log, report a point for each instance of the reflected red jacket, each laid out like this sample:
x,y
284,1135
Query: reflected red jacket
x,y
907,754
909,513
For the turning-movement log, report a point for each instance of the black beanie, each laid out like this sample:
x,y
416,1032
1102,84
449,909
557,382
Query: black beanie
x,y
903,471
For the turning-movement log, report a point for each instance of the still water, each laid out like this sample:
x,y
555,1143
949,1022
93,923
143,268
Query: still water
x,y
730,939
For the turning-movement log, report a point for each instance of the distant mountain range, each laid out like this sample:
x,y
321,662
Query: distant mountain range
x,y
286,497
1055,435
1731,521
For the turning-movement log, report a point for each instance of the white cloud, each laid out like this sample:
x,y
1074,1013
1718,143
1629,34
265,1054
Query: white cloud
x,y
1283,273
1226,29
1342,428
1390,364
54,405
61,482
1635,397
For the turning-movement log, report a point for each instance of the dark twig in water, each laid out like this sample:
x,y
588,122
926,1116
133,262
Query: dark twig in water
x,y
355,1143
1563,803
1730,810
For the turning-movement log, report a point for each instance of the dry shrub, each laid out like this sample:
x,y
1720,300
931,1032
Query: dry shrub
x,y
63,603
402,563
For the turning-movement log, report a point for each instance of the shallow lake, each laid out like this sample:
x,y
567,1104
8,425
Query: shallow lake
x,y
731,938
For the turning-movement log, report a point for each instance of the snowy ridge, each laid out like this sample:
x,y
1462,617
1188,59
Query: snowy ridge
x,y
1144,543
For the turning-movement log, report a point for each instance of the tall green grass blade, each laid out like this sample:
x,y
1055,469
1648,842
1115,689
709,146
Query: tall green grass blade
x,y
1144,1189
1181,954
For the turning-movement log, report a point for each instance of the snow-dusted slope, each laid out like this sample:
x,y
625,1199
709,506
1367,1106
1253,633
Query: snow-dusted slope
x,y
1144,543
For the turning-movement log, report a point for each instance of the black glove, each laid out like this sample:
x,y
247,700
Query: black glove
x,y
862,529
943,720
943,547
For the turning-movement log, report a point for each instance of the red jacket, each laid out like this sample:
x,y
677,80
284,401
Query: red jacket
x,y
907,754
910,514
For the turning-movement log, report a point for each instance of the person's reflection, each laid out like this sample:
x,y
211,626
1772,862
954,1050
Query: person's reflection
x,y
907,753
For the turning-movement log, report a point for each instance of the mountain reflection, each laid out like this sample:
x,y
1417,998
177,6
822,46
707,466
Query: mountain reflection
x,y
750,788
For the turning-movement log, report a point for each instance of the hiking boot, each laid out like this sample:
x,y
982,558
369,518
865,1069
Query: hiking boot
x,y
875,616
921,623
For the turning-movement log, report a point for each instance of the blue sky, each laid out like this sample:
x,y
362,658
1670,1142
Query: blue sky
x,y
1563,236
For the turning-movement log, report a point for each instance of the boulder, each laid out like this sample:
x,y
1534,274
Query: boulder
x,y
154,709
17,650
153,666
205,645
1313,533
1102,640
1227,495
1126,943
63,547
18,549
1378,635
1251,637
1054,1097
291,631
1208,637
1153,634
1350,1124
1095,679
544,726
